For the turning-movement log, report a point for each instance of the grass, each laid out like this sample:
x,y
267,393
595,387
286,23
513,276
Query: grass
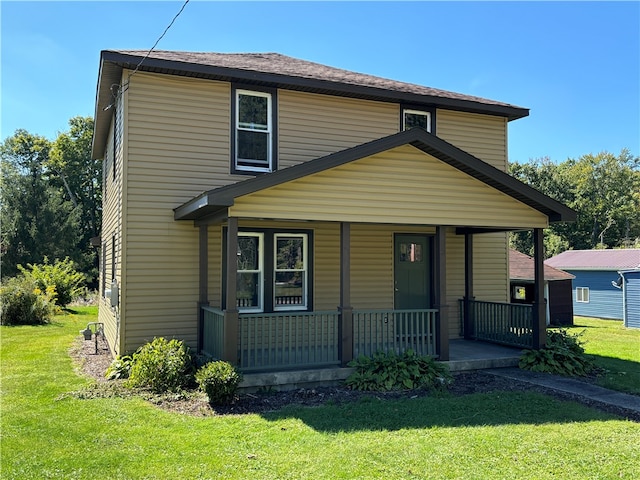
x,y
498,435
614,348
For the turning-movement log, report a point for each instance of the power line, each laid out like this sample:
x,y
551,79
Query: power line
x,y
126,85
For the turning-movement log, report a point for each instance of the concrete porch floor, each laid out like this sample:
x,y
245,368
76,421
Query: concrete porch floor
x,y
463,355
474,355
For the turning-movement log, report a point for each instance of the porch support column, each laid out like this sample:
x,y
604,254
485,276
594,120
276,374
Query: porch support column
x,y
442,327
539,307
231,302
345,320
203,296
467,324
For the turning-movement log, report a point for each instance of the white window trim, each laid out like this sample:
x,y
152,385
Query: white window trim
x,y
305,270
580,291
416,112
268,131
260,307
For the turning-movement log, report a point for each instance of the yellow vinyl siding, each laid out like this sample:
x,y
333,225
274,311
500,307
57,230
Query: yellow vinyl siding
x,y
455,280
402,185
371,266
483,136
491,267
312,126
112,207
178,146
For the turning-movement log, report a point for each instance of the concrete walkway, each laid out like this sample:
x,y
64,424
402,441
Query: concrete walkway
x,y
572,386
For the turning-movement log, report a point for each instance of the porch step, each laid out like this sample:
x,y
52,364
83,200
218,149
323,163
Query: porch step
x,y
482,364
295,379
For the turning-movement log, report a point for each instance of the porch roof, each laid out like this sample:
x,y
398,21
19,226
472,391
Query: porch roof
x,y
213,204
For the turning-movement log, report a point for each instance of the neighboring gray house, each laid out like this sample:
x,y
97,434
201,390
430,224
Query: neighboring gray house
x,y
596,287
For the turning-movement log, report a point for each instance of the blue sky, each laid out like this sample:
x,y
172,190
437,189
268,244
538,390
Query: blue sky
x,y
576,65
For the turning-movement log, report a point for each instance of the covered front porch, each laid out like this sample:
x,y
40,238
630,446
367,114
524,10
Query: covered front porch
x,y
408,203
304,340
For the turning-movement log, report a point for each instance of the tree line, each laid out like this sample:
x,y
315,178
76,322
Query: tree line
x,y
51,199
603,189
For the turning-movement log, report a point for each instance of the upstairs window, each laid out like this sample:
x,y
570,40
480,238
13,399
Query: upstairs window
x,y
254,137
416,118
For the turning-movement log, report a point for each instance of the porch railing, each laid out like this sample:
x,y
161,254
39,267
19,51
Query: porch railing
x,y
271,341
504,323
213,332
394,331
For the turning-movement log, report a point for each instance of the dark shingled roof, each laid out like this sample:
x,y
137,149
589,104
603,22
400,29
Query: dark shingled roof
x,y
278,64
522,267
280,71
597,259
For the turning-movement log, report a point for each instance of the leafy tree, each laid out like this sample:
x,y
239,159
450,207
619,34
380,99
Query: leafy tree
x,y
604,189
36,219
80,179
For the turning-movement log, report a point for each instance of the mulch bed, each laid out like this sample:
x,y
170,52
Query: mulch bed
x,y
94,365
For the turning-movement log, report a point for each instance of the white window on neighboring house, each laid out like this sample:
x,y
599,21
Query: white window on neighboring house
x,y
582,294
416,118
253,132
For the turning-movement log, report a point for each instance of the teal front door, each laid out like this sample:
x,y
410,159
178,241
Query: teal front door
x,y
412,266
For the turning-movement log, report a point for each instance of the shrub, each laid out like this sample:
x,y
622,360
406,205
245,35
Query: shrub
x,y
563,354
22,302
219,380
161,366
120,368
389,371
62,275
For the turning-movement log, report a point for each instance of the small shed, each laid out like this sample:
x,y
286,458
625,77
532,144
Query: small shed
x,y
629,283
557,288
595,289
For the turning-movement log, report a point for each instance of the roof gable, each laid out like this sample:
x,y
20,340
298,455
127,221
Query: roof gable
x,y
596,259
218,199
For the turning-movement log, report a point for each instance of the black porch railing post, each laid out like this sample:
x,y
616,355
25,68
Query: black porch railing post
x,y
345,320
539,307
468,317
203,297
231,316
442,327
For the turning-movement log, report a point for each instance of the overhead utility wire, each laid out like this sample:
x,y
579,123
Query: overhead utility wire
x,y
135,70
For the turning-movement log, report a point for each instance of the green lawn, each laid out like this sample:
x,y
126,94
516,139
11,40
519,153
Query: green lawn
x,y
615,348
500,435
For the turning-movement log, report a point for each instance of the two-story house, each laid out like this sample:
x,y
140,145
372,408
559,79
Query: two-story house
x,y
282,214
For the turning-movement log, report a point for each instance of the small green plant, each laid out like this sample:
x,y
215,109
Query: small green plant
x,y
120,368
62,275
562,355
219,380
161,366
390,371
23,302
